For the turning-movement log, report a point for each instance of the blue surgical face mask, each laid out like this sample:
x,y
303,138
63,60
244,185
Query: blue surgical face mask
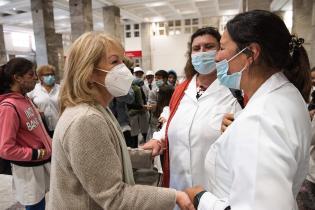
x,y
49,80
229,80
204,62
159,83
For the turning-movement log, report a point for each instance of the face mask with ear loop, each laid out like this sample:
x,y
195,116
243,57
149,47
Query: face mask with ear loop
x,y
229,80
118,80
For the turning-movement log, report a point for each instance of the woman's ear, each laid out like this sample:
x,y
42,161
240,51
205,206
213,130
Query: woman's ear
x,y
254,52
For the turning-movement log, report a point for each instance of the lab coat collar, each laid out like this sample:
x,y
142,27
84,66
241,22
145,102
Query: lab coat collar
x,y
274,82
191,90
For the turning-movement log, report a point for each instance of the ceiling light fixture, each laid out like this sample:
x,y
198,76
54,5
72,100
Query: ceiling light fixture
x,y
156,4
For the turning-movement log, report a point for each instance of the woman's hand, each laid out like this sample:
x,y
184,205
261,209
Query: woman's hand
x,y
193,191
153,145
228,118
183,201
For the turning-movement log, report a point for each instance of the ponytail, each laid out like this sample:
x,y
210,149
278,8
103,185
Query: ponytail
x,y
298,71
4,85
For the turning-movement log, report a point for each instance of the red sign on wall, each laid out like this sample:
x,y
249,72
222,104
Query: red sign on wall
x,y
133,54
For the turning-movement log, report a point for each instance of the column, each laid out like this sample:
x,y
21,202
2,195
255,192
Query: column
x,y
81,17
256,4
302,23
311,54
46,41
60,53
146,46
3,54
111,18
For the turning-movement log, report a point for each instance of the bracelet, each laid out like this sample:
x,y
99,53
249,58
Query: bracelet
x,y
197,198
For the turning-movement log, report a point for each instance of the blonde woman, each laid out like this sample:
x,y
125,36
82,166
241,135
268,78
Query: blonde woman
x,y
91,167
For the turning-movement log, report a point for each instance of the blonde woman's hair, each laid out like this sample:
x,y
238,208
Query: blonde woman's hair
x,y
83,56
40,69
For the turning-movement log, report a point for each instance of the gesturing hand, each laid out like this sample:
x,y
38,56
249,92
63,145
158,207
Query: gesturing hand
x,y
183,201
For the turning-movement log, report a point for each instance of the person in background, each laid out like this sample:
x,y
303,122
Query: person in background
x,y
23,138
149,80
196,110
140,116
172,78
45,96
91,167
161,78
261,160
118,106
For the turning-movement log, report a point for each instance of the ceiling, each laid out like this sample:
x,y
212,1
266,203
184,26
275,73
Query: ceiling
x,y
16,13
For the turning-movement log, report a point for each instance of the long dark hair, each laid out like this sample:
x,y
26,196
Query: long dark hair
x,y
163,99
279,49
18,66
189,68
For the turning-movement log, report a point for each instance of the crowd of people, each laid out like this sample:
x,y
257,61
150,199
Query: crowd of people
x,y
236,133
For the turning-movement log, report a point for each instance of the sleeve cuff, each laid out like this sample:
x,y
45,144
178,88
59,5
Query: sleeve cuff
x,y
34,154
209,201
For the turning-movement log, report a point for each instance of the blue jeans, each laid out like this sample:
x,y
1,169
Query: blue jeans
x,y
37,206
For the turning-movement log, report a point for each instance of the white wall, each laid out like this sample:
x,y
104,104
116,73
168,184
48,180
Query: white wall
x,y
169,52
133,44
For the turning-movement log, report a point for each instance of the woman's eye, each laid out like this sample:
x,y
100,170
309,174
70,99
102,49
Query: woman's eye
x,y
115,61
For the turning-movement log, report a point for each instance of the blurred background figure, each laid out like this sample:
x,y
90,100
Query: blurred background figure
x,y
45,97
172,78
139,116
120,110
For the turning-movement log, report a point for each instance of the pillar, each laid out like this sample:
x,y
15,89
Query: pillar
x,y
145,34
3,54
111,19
256,4
46,41
81,17
302,23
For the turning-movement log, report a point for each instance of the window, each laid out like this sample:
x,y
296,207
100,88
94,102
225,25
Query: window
x,y
177,23
161,32
161,24
171,23
195,21
128,34
136,34
127,27
187,22
136,26
187,30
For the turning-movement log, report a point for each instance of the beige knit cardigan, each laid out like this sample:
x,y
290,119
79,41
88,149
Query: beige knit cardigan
x,y
87,172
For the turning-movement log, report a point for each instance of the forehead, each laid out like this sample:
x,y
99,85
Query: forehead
x,y
204,39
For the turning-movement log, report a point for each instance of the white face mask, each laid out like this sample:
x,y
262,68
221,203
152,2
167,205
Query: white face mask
x,y
118,80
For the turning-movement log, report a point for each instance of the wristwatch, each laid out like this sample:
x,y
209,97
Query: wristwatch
x,y
197,198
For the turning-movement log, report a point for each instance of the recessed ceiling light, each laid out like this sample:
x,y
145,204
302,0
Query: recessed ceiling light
x,y
14,8
156,4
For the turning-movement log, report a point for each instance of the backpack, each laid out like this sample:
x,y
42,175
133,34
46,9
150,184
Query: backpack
x,y
5,166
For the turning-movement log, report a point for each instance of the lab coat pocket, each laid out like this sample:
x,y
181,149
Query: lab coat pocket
x,y
216,116
210,167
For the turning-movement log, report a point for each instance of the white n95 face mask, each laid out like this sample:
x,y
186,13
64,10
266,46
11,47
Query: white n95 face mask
x,y
118,80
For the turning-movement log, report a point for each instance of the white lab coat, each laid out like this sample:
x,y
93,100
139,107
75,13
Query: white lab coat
x,y
194,127
261,160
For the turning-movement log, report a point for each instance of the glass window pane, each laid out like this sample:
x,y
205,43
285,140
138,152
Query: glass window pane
x,y
187,30
171,23
177,22
136,33
136,26
128,34
127,27
195,21
161,32
161,24
187,22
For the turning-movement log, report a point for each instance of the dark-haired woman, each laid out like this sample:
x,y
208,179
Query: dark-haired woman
x,y
23,138
196,110
261,159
